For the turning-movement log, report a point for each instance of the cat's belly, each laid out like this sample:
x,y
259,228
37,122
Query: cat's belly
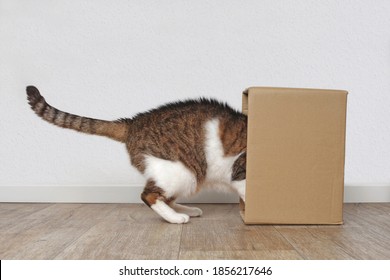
x,y
172,176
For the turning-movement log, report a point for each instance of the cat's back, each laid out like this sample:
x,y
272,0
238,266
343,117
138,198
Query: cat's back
x,y
202,108
185,119
184,123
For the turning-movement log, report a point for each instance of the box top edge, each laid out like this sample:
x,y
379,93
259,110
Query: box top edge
x,y
260,89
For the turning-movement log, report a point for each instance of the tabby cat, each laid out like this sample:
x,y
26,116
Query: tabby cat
x,y
180,148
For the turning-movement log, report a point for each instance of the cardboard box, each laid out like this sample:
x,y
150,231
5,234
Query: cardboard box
x,y
295,156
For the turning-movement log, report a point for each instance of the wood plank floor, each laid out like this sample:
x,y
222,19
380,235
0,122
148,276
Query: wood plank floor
x,y
133,231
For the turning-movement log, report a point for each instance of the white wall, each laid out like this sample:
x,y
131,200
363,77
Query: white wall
x,y
110,59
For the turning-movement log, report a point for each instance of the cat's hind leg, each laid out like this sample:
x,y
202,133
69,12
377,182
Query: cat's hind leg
x,y
190,211
153,196
168,214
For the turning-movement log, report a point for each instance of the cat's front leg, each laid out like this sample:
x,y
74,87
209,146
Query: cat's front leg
x,y
240,186
190,211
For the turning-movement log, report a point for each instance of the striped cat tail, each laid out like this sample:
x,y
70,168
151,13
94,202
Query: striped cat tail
x,y
117,130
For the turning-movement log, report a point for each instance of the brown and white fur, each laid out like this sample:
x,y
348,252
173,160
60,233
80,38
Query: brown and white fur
x,y
180,148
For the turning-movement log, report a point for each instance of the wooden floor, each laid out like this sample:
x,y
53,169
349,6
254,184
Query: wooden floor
x,y
133,231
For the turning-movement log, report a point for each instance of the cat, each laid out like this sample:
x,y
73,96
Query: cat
x,y
180,148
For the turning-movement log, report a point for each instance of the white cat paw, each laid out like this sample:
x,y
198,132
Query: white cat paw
x,y
168,214
194,212
178,218
190,211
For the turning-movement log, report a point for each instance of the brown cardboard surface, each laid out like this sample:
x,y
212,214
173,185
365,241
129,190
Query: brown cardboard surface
x,y
295,156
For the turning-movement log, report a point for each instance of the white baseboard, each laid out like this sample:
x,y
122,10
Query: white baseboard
x,y
96,194
131,194
367,193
